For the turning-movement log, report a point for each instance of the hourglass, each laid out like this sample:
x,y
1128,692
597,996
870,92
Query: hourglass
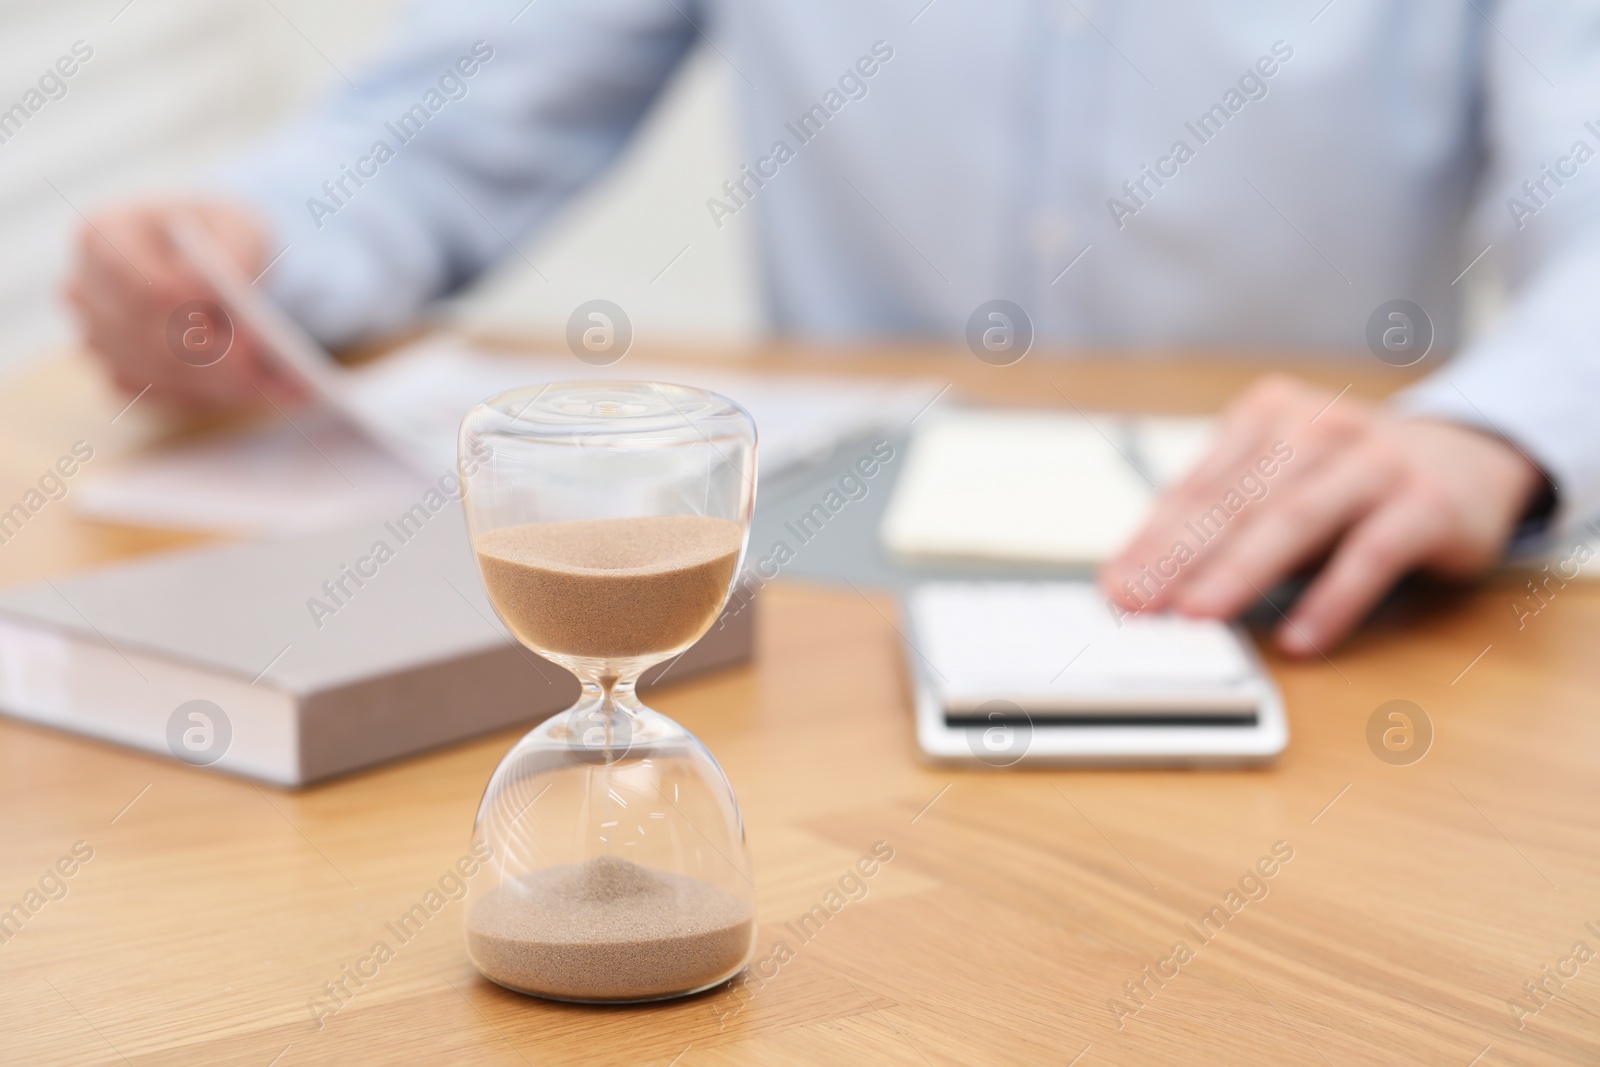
x,y
609,521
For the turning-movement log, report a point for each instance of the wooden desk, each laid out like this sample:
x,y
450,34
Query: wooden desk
x,y
1418,901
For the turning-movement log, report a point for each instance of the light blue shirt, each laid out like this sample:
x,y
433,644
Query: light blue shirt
x,y
1133,173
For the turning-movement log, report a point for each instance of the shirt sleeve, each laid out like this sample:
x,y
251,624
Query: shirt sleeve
x,y
460,138
1535,378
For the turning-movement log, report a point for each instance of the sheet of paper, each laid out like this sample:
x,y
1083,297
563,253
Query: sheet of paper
x,y
270,481
314,472
293,350
428,388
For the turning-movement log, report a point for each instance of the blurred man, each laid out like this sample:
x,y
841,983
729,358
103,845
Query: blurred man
x,y
1129,174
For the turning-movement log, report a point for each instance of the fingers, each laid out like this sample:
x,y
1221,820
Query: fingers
x,y
1267,446
1388,495
1377,552
1244,424
124,282
129,282
1239,437
1290,528
129,258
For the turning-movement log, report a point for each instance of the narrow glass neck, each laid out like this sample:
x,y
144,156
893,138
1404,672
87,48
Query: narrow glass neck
x,y
603,725
607,693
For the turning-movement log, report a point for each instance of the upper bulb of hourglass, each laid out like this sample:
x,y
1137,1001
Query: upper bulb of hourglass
x,y
609,520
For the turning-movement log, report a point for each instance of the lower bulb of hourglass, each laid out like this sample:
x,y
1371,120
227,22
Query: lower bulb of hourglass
x,y
618,864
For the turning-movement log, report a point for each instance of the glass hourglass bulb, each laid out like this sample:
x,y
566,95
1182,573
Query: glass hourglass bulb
x,y
609,521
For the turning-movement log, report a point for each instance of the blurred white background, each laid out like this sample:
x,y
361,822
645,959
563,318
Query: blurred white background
x,y
174,85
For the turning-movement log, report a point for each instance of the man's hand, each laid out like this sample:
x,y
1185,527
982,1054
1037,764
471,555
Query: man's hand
x,y
1292,477
129,287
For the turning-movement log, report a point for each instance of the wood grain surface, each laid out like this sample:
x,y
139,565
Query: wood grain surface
x,y
1406,908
